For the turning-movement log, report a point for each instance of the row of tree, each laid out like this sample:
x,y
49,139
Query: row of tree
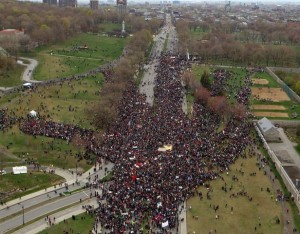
x,y
49,24
217,104
105,111
219,46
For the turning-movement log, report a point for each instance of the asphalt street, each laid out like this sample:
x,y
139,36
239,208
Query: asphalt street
x,y
48,201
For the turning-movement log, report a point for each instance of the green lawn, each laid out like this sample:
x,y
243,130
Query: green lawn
x,y
82,224
22,184
246,214
199,33
265,75
11,78
71,57
46,151
109,27
63,103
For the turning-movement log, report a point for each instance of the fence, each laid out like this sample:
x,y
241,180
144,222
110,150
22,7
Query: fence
x,y
283,85
285,177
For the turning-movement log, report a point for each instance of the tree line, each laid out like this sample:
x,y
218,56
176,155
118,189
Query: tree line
x,y
221,45
218,104
105,111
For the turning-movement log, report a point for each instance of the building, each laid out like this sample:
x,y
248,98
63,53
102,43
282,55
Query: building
x,y
122,6
50,2
94,4
269,131
11,32
67,3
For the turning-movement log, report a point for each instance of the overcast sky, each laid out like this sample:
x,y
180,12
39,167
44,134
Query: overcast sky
x,y
220,1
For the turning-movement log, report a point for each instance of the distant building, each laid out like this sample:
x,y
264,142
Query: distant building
x,y
94,4
122,6
67,3
11,32
269,131
50,2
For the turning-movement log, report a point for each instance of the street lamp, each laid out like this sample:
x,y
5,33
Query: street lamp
x,y
23,214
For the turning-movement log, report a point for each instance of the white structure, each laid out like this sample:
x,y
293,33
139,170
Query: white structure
x,y
123,26
33,113
268,130
20,170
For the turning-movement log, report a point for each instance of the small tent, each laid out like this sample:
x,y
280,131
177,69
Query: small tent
x,y
20,170
33,113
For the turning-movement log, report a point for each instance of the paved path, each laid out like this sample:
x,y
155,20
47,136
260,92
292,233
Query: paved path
x,y
27,74
49,198
148,83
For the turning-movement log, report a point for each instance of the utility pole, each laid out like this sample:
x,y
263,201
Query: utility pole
x,y
23,214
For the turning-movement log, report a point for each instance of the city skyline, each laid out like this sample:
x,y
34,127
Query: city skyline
x,y
194,1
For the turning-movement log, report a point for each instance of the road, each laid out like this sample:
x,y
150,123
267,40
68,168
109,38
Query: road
x,y
27,74
42,210
47,201
148,84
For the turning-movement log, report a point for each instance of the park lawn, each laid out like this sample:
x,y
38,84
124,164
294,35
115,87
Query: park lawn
x,y
109,27
7,157
63,103
53,67
291,108
82,224
265,75
199,33
66,61
11,78
47,151
22,184
198,70
246,214
98,47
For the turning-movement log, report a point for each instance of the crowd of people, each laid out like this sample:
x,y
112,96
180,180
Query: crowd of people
x,y
151,184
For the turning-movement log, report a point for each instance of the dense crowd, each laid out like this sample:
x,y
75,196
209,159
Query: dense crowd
x,y
149,184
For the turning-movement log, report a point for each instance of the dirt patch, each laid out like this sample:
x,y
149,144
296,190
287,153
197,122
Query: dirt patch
x,y
268,107
260,81
270,114
270,94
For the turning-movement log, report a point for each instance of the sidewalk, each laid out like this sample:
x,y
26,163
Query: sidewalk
x,y
70,179
40,225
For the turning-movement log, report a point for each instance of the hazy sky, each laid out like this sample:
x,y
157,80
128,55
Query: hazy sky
x,y
219,1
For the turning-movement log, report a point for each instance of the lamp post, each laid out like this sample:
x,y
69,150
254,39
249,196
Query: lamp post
x,y
23,214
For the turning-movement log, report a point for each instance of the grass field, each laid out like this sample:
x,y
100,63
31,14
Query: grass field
x,y
199,33
76,55
239,214
234,83
46,151
63,103
109,27
11,78
82,224
265,75
22,184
